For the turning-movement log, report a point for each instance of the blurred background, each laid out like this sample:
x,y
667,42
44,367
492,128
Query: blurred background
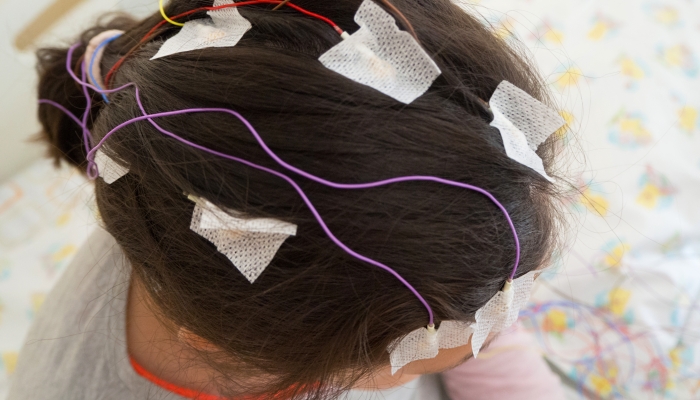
x,y
617,315
26,26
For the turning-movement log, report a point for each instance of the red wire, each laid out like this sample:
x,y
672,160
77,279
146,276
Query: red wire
x,y
317,16
118,64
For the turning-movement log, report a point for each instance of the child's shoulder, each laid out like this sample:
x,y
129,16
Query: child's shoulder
x,y
73,346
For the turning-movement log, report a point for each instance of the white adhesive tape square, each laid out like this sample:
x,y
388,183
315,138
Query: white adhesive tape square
x,y
524,123
249,243
108,169
423,344
382,56
225,29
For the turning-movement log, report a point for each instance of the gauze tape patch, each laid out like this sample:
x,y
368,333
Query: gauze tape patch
x,y
524,123
108,169
424,344
225,28
382,56
250,243
502,310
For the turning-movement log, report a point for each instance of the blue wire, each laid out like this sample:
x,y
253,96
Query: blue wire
x,y
92,62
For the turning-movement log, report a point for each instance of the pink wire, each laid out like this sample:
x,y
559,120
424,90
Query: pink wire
x,y
92,168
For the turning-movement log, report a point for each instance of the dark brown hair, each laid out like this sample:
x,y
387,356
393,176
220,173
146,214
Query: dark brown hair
x,y
316,314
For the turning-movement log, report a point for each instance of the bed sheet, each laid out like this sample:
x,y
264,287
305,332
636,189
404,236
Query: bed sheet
x,y
45,216
618,312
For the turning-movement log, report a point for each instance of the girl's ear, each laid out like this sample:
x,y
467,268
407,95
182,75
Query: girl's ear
x,y
195,341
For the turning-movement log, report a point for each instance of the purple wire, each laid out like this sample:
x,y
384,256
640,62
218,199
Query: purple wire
x,y
83,82
322,181
256,166
86,132
93,172
64,110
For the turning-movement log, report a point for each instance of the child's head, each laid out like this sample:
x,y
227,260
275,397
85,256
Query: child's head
x,y
315,315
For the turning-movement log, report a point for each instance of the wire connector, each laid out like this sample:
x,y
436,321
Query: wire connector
x,y
426,342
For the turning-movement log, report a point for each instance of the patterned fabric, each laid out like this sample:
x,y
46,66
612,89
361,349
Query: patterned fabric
x,y
45,216
619,314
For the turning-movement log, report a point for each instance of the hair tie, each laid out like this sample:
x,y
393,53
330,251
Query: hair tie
x,y
93,56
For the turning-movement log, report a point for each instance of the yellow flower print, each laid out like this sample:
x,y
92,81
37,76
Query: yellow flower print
x,y
9,359
628,130
656,191
569,120
568,78
504,28
614,257
688,118
617,301
37,301
675,356
631,68
553,35
602,27
674,55
555,321
650,195
667,15
601,385
635,127
595,203
680,56
63,253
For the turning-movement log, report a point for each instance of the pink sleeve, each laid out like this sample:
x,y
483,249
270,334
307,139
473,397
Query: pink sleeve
x,y
511,368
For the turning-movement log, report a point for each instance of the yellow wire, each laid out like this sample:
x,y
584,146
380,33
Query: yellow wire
x,y
165,16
